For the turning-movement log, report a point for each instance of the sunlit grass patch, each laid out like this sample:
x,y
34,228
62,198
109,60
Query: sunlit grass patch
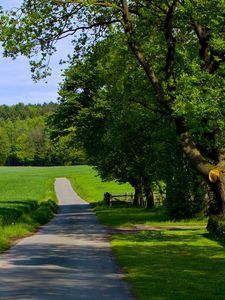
x,y
91,188
27,197
27,200
182,264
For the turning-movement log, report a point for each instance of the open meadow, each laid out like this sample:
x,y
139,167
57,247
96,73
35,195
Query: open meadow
x,y
160,265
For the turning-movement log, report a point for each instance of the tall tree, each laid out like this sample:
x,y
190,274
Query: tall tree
x,y
105,101
180,46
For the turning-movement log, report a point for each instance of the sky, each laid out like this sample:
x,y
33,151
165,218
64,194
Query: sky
x,y
16,84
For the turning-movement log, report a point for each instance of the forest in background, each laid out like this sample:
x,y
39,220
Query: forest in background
x,y
25,138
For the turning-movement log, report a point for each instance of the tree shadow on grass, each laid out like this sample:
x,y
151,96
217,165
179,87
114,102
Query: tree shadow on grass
x,y
118,216
170,266
11,211
211,237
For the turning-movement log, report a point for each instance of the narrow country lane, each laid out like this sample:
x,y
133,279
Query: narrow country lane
x,y
70,258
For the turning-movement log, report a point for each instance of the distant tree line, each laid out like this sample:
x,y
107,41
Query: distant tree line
x,y
25,138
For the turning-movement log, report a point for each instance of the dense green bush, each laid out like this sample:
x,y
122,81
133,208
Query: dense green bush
x,y
45,212
184,189
216,226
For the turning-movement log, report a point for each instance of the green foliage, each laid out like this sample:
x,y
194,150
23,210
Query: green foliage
x,y
111,118
37,29
24,138
97,103
179,45
184,188
44,212
67,152
4,146
216,226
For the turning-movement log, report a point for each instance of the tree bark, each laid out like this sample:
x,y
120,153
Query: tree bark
x,y
213,174
138,195
148,193
149,198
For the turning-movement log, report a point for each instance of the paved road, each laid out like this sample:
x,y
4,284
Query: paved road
x,y
70,258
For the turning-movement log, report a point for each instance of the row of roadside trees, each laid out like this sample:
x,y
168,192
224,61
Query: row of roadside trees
x,y
145,93
106,106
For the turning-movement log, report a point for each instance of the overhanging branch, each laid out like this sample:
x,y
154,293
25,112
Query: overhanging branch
x,y
86,2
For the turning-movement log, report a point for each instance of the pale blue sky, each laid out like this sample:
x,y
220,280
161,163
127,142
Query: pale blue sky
x,y
16,84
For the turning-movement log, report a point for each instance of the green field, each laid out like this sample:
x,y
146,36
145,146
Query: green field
x,y
160,265
27,197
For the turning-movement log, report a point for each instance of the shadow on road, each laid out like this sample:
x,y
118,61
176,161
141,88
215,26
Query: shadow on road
x,y
69,258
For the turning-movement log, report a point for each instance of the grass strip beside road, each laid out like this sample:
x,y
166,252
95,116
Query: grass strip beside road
x,y
172,265
27,201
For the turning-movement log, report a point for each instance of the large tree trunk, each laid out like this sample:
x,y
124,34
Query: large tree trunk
x,y
138,195
149,198
213,174
148,193
138,191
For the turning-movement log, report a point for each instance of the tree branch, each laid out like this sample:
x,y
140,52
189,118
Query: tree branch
x,y
216,60
88,2
191,151
70,32
202,33
135,48
171,42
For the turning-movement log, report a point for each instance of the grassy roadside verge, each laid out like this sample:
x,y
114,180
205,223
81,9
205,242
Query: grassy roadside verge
x,y
26,202
91,188
130,216
184,264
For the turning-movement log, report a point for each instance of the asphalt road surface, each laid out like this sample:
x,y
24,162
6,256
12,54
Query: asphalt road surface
x,y
69,258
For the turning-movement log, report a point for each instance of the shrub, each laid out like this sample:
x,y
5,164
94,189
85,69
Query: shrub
x,y
45,212
216,226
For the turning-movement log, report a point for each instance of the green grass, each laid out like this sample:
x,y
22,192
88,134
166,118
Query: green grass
x,y
27,197
130,216
172,265
27,200
161,265
90,187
